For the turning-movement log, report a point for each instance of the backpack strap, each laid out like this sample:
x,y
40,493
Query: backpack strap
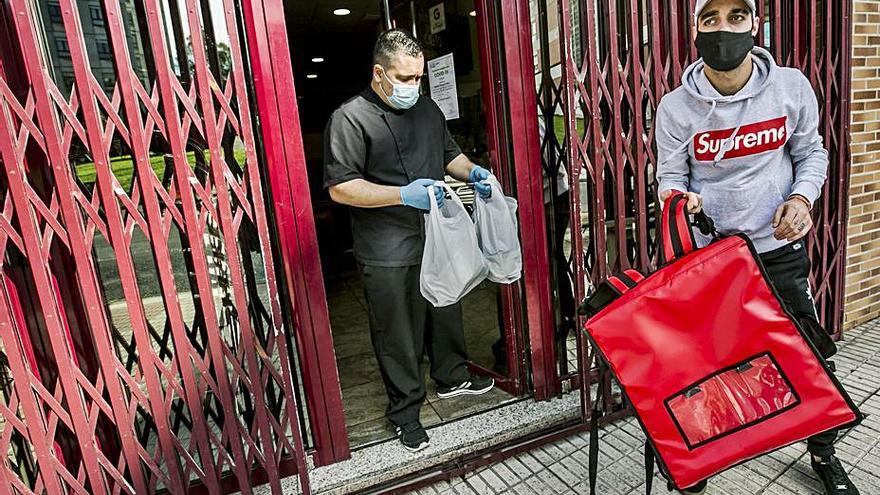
x,y
677,234
609,290
606,292
597,411
649,467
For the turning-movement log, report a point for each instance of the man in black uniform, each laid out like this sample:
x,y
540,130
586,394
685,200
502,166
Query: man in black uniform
x,y
383,150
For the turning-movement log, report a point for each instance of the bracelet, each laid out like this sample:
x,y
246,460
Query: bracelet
x,y
802,199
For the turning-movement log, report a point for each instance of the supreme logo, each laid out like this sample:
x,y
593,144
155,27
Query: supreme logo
x,y
750,140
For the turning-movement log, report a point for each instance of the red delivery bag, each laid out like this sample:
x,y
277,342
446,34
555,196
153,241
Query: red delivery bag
x,y
717,370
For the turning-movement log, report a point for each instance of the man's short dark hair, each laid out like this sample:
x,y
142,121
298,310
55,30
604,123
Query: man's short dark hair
x,y
393,42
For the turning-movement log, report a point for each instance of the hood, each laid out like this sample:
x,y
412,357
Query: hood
x,y
697,85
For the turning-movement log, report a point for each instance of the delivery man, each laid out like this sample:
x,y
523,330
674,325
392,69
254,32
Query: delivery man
x,y
740,137
383,150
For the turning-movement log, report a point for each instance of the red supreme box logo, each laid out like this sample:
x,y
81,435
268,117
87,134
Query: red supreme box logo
x,y
750,140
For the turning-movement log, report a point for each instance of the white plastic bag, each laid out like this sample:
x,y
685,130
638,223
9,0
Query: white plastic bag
x,y
452,264
497,234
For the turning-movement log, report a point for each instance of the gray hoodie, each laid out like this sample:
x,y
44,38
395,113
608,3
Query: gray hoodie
x,y
745,153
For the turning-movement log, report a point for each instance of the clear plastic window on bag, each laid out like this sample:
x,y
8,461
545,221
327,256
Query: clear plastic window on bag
x,y
730,400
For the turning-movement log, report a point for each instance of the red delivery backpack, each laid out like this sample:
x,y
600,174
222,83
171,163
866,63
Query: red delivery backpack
x,y
717,369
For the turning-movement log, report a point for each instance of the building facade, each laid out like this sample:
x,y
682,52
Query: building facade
x,y
863,251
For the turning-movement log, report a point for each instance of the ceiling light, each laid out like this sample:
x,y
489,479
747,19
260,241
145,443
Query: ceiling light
x,y
311,76
318,60
341,12
473,13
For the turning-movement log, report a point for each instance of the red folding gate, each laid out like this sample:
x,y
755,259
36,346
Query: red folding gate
x,y
143,344
143,341
617,60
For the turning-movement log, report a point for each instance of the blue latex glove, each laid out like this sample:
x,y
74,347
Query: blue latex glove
x,y
415,195
478,176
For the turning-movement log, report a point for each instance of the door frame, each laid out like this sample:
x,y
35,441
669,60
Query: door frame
x,y
297,241
506,64
506,55
514,148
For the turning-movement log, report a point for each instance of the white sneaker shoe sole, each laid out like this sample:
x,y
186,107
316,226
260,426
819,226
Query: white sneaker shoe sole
x,y
466,391
422,446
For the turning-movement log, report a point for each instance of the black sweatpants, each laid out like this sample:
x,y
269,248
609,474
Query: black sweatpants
x,y
789,270
403,325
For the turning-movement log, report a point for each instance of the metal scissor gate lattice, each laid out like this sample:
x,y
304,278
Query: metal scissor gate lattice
x,y
142,338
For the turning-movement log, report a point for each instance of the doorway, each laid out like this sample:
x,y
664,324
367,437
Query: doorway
x,y
331,44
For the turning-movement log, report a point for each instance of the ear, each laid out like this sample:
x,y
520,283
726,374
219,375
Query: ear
x,y
377,73
756,26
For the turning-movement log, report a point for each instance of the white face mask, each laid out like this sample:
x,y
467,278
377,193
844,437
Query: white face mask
x,y
403,96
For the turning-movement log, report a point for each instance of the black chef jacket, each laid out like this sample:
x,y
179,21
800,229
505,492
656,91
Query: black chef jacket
x,y
367,139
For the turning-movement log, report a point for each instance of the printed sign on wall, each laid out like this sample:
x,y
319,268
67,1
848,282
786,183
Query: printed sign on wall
x,y
437,16
441,79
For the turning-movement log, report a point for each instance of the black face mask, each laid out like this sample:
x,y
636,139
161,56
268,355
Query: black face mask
x,y
723,50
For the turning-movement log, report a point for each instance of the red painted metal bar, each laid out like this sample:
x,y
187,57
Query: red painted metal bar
x,y
613,73
493,108
638,144
16,344
183,177
19,350
592,70
108,188
278,336
821,78
522,105
570,78
40,440
844,61
96,465
213,128
675,40
140,145
776,29
273,83
658,77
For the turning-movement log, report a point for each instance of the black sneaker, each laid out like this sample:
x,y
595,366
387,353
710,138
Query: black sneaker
x,y
412,436
477,385
833,476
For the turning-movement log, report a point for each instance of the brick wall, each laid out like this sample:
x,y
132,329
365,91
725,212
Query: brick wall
x,y
863,253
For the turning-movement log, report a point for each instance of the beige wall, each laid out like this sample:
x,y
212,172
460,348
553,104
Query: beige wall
x,y
863,252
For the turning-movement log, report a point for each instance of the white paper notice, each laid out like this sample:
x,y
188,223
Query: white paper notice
x,y
441,79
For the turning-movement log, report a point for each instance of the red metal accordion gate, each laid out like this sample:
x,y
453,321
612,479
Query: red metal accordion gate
x,y
143,344
617,59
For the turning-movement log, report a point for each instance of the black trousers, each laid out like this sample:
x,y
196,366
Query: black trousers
x,y
789,270
403,325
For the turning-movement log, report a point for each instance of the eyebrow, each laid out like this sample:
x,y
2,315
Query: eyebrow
x,y
711,13
708,15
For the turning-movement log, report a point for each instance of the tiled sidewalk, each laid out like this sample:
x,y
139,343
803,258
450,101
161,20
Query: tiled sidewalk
x,y
561,467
